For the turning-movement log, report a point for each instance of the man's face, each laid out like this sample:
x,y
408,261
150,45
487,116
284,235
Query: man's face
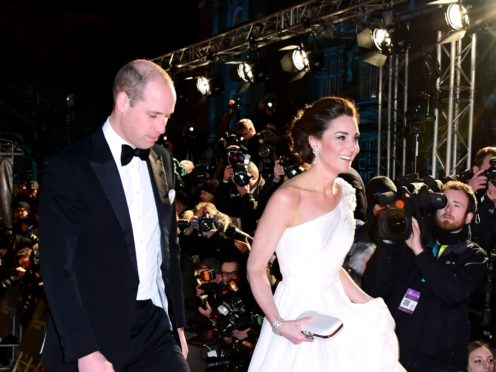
x,y
454,216
229,271
143,122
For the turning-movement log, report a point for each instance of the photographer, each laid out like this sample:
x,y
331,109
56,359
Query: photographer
x,y
366,235
229,307
203,235
240,193
482,178
427,286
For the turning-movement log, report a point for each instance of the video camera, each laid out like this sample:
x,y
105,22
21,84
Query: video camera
x,y
415,198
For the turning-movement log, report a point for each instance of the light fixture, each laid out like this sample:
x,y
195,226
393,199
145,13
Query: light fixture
x,y
295,60
456,16
456,19
243,72
203,85
375,41
378,43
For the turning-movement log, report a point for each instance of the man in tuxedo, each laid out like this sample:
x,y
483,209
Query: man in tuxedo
x,y
110,258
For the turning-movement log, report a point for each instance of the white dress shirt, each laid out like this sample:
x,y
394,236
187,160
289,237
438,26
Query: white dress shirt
x,y
141,204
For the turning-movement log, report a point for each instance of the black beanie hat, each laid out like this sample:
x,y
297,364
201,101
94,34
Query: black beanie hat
x,y
378,185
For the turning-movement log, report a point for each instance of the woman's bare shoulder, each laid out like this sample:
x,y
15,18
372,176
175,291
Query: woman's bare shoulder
x,y
288,195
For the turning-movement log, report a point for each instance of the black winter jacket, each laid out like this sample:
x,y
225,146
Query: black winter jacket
x,y
437,333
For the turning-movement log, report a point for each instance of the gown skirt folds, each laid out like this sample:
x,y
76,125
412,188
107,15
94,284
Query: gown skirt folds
x,y
310,257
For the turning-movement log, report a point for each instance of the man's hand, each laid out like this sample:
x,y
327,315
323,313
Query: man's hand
x,y
182,341
413,242
94,362
491,192
207,312
478,181
228,173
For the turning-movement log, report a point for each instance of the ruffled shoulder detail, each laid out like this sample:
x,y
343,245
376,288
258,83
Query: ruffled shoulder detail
x,y
348,199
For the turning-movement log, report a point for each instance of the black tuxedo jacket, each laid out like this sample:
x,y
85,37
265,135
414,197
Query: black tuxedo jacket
x,y
88,258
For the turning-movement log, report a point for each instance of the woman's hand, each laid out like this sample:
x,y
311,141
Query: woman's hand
x,y
291,329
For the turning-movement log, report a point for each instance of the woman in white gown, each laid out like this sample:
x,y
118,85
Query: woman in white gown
x,y
309,223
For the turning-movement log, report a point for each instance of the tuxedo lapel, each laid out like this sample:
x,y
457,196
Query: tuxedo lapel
x,y
106,171
158,170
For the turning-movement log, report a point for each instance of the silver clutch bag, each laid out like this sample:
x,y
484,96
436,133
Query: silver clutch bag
x,y
322,325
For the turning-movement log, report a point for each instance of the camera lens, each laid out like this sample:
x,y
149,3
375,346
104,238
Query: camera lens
x,y
206,223
396,221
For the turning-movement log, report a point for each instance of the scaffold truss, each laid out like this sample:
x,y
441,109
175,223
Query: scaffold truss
x,y
310,16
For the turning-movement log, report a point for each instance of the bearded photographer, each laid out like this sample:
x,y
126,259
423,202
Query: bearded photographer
x,y
427,286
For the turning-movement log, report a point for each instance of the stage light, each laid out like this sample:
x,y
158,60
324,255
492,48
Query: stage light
x,y
378,38
203,85
243,72
295,60
456,16
378,43
456,21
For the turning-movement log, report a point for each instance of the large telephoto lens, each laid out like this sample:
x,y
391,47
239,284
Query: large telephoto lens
x,y
394,224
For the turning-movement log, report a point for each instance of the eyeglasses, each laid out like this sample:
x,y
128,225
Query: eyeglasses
x,y
229,274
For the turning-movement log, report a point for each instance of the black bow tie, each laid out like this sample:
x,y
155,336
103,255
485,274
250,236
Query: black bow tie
x,y
128,152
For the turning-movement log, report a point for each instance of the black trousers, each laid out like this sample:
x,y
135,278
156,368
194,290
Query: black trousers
x,y
153,347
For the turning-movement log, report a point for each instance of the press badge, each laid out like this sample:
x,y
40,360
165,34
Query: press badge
x,y
409,301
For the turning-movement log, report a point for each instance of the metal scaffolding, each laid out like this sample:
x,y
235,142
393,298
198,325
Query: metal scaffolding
x,y
453,126
392,127
310,16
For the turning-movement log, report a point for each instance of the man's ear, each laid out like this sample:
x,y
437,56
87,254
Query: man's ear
x,y
469,217
122,101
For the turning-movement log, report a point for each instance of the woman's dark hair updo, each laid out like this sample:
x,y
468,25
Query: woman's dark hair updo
x,y
314,119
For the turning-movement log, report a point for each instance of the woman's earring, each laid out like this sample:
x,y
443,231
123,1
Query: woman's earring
x,y
315,155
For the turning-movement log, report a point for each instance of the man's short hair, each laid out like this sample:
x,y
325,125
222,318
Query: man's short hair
x,y
482,153
458,185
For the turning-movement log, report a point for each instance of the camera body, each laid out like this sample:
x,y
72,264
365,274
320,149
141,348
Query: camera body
x,y
415,199
203,224
489,173
291,162
239,162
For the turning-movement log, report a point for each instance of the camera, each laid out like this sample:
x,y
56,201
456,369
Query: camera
x,y
230,140
239,162
489,173
229,311
291,162
415,199
203,224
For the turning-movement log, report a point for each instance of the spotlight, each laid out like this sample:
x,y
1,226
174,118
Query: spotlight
x,y
295,60
378,43
456,19
209,85
203,85
378,38
243,72
456,16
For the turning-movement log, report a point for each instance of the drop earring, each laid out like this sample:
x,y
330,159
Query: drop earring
x,y
315,155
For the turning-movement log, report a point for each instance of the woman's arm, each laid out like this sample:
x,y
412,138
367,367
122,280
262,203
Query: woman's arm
x,y
269,231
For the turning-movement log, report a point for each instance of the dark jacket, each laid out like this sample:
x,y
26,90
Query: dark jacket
x,y
88,258
436,334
